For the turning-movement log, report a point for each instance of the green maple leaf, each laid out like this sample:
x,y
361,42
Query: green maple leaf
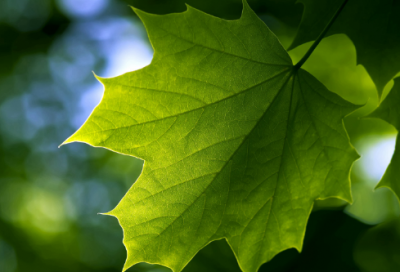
x,y
390,112
237,142
372,25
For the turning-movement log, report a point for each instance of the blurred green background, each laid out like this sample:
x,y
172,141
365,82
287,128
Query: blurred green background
x,y
50,198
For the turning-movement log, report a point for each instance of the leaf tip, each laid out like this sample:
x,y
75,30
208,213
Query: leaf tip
x,y
246,8
67,141
134,9
383,183
100,213
99,78
188,6
110,213
379,185
140,13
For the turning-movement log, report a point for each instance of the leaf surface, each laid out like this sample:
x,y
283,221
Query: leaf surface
x,y
389,111
237,143
372,25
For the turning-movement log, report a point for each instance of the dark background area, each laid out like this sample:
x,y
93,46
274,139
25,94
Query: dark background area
x,y
50,197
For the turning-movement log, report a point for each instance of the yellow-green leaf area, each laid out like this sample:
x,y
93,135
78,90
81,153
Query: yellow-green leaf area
x,y
237,143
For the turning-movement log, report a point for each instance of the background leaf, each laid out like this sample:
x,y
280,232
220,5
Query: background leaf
x,y
390,112
371,25
377,249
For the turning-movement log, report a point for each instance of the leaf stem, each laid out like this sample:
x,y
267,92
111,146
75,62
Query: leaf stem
x,y
320,37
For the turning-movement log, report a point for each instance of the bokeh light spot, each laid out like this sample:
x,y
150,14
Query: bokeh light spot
x,y
82,8
377,158
370,206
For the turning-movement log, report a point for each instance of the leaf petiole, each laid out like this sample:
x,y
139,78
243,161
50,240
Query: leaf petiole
x,y
320,37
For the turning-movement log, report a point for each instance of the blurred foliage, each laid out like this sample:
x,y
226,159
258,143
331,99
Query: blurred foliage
x,y
378,249
50,197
